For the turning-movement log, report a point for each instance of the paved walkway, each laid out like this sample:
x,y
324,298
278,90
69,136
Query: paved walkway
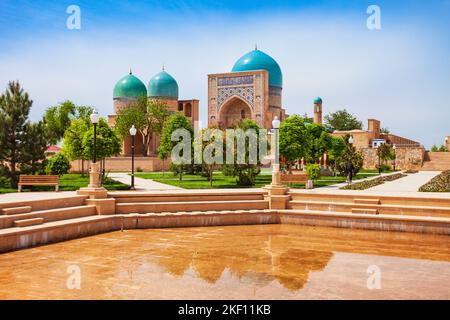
x,y
411,183
142,184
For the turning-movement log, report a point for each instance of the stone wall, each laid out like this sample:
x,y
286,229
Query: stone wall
x,y
406,158
123,164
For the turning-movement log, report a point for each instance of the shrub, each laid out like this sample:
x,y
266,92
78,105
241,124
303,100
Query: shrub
x,y
313,171
384,167
363,185
58,165
139,169
410,171
440,183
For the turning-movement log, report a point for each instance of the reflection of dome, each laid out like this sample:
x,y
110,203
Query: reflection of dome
x,y
258,60
317,100
163,85
129,87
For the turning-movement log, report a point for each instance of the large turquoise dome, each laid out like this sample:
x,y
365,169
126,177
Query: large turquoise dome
x,y
163,85
258,60
129,87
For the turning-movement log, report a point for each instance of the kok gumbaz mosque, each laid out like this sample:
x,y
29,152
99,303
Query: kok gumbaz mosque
x,y
253,89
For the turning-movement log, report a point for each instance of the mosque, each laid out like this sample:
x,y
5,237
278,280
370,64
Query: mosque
x,y
251,90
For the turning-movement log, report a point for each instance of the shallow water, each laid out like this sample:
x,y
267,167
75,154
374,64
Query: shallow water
x,y
241,262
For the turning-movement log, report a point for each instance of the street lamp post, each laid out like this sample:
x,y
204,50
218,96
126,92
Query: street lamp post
x,y
133,132
276,165
395,154
349,160
95,118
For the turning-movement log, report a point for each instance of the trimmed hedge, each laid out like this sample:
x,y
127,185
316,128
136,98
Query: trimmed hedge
x,y
440,183
363,185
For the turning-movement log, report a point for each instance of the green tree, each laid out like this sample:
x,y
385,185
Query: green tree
x,y
385,130
342,120
108,143
338,147
443,148
59,164
247,172
148,117
313,171
320,141
349,154
58,118
294,139
36,142
174,122
73,146
385,152
17,144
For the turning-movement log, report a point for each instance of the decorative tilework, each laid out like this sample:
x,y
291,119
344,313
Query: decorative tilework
x,y
235,81
245,93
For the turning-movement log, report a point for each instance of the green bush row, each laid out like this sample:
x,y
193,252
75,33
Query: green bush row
x,y
440,183
363,185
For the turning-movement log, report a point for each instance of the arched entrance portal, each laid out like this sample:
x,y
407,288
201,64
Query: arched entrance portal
x,y
233,112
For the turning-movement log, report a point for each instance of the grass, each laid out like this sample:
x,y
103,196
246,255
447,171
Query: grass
x,y
223,182
71,182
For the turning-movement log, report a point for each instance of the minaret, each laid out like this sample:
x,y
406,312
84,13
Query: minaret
x,y
318,110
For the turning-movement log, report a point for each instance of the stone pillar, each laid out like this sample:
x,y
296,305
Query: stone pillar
x,y
447,142
94,190
277,193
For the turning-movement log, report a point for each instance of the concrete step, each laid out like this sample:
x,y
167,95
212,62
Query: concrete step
x,y
44,204
399,209
364,211
186,198
367,201
147,207
28,222
50,215
15,210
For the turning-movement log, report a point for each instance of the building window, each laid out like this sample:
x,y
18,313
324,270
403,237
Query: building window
x,y
188,110
242,114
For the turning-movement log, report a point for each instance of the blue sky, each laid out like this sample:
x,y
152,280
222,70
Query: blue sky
x,y
399,74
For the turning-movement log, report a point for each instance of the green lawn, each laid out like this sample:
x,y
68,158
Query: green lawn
x,y
71,182
220,181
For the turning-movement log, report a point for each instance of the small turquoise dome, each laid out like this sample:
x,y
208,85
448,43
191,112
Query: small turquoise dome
x,y
163,85
258,60
129,87
318,100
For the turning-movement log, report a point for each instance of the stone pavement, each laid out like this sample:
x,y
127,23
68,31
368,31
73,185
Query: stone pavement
x,y
411,183
141,184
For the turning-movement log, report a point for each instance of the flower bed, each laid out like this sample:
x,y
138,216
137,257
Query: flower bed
x,y
440,183
363,185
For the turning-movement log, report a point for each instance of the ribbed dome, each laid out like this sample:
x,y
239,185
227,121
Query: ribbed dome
x,y
318,100
163,85
129,87
258,60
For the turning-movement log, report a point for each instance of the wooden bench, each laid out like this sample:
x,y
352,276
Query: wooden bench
x,y
38,181
298,177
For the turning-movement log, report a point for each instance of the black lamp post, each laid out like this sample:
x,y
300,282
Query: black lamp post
x,y
379,160
349,162
95,118
395,154
133,132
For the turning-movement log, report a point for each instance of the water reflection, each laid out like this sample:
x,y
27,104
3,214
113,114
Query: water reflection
x,y
243,262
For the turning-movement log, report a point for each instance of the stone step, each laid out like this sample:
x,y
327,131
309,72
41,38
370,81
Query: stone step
x,y
367,201
15,210
50,215
400,209
186,198
364,211
146,207
28,222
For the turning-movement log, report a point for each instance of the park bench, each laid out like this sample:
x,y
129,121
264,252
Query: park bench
x,y
295,177
38,181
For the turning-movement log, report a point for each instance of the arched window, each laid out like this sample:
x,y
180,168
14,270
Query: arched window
x,y
180,107
188,110
242,114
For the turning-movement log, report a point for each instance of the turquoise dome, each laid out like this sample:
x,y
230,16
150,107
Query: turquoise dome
x,y
129,87
258,60
318,100
163,85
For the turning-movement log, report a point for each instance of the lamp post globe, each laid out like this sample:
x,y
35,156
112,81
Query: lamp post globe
x,y
95,118
133,132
